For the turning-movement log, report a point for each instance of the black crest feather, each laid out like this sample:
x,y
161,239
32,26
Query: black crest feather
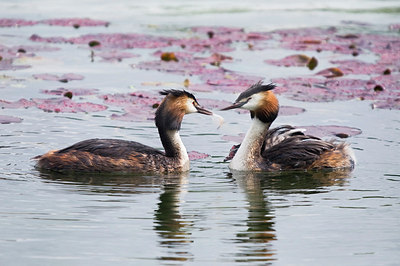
x,y
254,89
177,93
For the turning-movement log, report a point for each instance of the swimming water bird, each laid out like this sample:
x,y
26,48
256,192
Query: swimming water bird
x,y
114,155
284,147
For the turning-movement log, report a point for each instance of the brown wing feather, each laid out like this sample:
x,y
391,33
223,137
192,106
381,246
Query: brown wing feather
x,y
297,152
113,148
105,155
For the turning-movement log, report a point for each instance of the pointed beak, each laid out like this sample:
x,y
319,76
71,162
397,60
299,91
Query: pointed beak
x,y
233,106
203,111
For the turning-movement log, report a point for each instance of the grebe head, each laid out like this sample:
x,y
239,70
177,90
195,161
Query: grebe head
x,y
175,105
260,101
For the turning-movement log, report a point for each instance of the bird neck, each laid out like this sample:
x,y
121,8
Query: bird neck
x,y
249,152
172,143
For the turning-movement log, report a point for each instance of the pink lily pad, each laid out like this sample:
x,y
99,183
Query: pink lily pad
x,y
323,90
75,22
298,60
21,103
76,92
37,38
130,99
123,41
331,131
63,78
394,27
9,22
236,139
388,104
114,55
6,119
66,105
290,110
7,64
194,155
358,67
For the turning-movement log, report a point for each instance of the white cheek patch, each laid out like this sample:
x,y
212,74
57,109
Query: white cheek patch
x,y
253,103
190,107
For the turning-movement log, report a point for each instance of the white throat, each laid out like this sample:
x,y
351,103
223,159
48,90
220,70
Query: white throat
x,y
250,149
177,142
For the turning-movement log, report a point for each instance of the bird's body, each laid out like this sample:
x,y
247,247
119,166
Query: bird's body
x,y
284,147
113,155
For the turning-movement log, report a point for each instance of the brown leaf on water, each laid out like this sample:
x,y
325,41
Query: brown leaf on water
x,y
312,63
169,56
297,60
94,43
332,72
312,41
186,83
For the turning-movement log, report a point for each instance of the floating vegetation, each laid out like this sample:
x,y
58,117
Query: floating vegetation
x,y
208,52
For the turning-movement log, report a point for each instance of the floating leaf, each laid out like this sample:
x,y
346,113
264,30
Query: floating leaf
x,y
290,110
94,43
21,103
77,92
167,56
332,72
6,22
194,155
115,55
331,131
6,119
186,83
75,22
295,60
358,67
63,78
66,105
312,63
8,64
388,104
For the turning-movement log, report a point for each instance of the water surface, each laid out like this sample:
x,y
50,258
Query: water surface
x,y
208,216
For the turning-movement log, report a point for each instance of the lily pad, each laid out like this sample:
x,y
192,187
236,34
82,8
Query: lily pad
x,y
6,119
331,131
63,78
115,55
388,104
8,64
347,67
21,103
66,105
10,22
75,22
194,155
331,72
76,92
298,60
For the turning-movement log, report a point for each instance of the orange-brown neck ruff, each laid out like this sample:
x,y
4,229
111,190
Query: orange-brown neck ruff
x,y
268,107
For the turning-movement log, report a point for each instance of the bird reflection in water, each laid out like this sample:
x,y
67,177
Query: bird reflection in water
x,y
255,244
170,224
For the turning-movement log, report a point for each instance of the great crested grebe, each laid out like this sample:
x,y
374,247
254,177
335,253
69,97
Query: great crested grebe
x,y
284,147
113,155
